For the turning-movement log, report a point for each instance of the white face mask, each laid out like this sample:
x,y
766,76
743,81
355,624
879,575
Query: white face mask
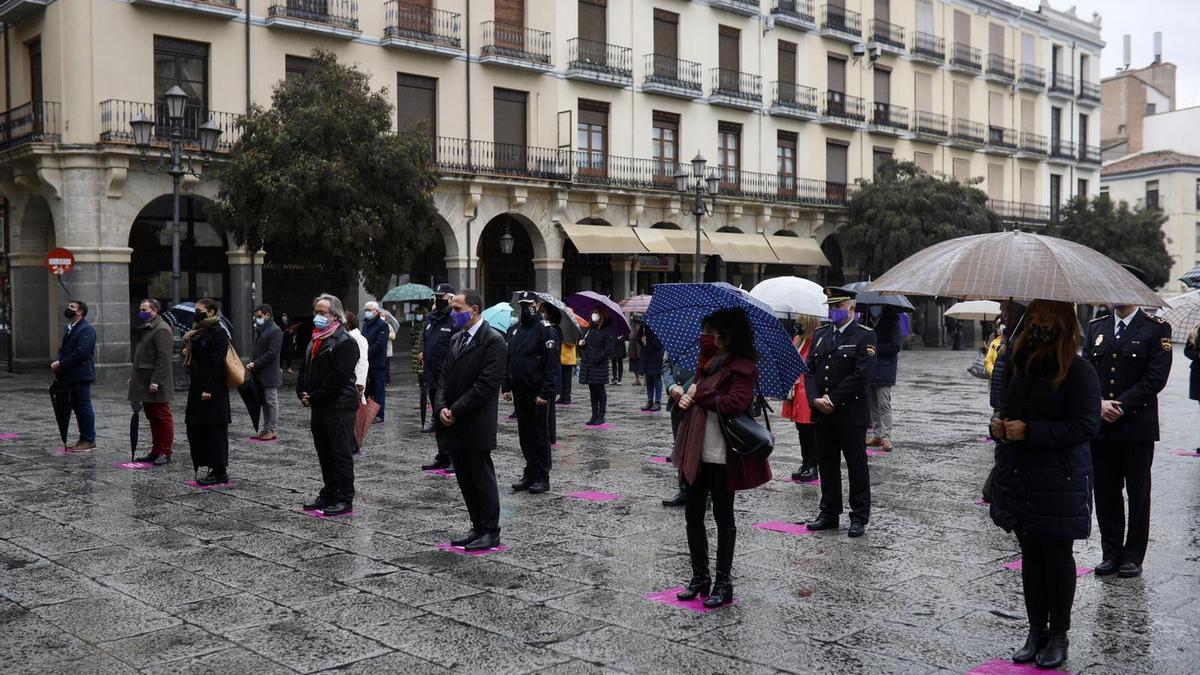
x,y
595,317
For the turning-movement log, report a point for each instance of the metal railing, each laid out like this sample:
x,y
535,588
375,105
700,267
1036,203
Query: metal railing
x,y
1089,154
418,22
888,115
779,187
801,10
967,131
1032,75
338,13
458,155
116,114
1089,90
673,72
929,46
843,106
1062,148
1031,142
1002,137
1062,83
1000,66
841,20
796,96
930,124
966,56
748,4
515,42
33,122
734,84
885,33
600,57
1019,212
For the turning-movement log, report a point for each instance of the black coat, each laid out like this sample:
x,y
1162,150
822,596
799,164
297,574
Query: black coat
x,y
207,371
843,371
1131,370
533,360
77,354
888,341
376,332
1042,486
268,346
435,335
328,377
596,358
470,388
650,352
1192,351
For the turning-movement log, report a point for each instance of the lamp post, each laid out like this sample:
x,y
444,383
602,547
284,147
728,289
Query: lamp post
x,y
699,186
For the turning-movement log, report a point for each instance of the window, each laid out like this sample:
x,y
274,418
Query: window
x,y
593,22
729,57
729,152
1198,194
1198,243
960,169
416,104
182,63
925,16
591,137
785,161
962,27
879,157
1055,128
509,127
1055,62
666,45
995,181
1055,195
1081,188
1151,194
924,161
1028,185
835,169
1083,134
1029,49
35,72
1151,108
923,96
664,142
295,66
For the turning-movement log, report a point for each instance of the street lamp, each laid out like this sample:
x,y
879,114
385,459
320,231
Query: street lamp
x,y
699,186
507,242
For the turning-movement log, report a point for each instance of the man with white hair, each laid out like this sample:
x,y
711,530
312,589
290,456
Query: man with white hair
x,y
376,330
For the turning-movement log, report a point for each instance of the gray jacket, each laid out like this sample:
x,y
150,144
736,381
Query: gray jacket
x,y
152,363
267,346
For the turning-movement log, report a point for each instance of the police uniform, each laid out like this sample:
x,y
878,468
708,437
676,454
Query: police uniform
x,y
841,363
1132,367
436,331
533,372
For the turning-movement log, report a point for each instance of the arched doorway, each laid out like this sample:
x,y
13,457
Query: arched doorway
x,y
32,310
505,273
832,275
202,252
654,268
586,271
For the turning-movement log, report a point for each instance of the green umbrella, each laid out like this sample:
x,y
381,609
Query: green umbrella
x,y
499,315
408,293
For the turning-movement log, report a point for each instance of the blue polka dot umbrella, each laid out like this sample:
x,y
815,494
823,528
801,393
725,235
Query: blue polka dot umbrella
x,y
677,310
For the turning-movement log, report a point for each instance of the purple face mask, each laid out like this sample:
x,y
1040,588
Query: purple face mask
x,y
460,319
838,315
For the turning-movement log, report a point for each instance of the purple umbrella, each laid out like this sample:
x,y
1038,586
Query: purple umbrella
x,y
584,302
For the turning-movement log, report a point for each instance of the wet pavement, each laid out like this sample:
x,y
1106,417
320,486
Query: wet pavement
x,y
110,570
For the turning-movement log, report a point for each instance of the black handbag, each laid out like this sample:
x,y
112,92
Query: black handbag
x,y
744,435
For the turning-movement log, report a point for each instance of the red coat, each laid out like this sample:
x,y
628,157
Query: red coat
x,y
797,409
734,382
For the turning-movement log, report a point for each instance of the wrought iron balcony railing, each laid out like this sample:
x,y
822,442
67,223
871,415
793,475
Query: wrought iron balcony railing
x,y
929,46
1062,148
840,105
841,20
1062,83
516,42
967,131
775,187
673,72
889,116
966,56
1019,212
34,122
1001,137
1089,154
798,10
458,155
419,22
885,33
1000,66
1033,76
336,13
600,57
1089,91
734,84
796,96
930,124
1032,143
116,114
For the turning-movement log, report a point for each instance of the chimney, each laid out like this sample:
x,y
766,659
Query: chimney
x,y
1157,46
1128,39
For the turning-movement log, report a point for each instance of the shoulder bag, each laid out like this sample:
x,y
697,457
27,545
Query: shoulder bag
x,y
744,435
235,370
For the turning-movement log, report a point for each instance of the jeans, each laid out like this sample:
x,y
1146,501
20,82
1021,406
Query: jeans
x,y
270,409
162,427
85,415
654,387
1048,580
879,399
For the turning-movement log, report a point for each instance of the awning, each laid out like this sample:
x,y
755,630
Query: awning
x,y
603,239
673,242
797,250
742,248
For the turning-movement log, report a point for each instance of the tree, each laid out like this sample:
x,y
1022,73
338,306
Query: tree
x,y
1133,237
321,179
904,209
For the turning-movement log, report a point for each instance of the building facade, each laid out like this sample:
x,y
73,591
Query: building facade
x,y
557,129
1129,98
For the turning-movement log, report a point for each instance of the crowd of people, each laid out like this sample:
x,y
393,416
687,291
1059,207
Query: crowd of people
x,y
1074,415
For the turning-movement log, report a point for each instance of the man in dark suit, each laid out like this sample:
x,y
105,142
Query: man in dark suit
x,y
376,331
841,363
75,367
466,407
1131,352
264,366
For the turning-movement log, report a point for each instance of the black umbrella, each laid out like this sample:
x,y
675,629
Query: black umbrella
x,y
182,316
60,400
1192,278
866,298
136,407
252,395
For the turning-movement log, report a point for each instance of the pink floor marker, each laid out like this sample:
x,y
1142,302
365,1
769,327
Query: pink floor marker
x,y
194,484
606,425
459,550
259,441
667,597
317,513
134,466
1185,453
554,445
1006,667
9,437
982,502
784,527
589,496
871,452
648,412
1016,566
815,481
440,472
66,452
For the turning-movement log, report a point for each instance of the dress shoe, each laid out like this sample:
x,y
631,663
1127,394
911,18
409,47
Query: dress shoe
x,y
159,460
647,408
539,487
377,420
1129,570
213,477
1105,568
317,504
856,530
698,586
657,407
822,522
886,445
268,436
429,429
678,500
806,473
721,594
875,442
433,466
1033,644
83,446
339,508
147,458
1054,654
564,401
520,486
467,538
483,542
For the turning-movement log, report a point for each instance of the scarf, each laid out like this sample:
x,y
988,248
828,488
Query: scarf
x,y
191,335
319,335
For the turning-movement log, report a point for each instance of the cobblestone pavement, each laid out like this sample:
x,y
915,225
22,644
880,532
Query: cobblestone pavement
x,y
113,571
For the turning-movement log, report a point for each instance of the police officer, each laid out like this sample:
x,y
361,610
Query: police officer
x,y
1131,352
435,334
531,383
841,363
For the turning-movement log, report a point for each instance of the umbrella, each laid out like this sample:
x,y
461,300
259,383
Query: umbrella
x,y
134,422
1192,278
1183,313
424,397
60,401
584,302
182,316
864,297
582,322
974,310
570,330
408,293
637,304
252,395
499,315
363,419
792,295
677,310
1019,266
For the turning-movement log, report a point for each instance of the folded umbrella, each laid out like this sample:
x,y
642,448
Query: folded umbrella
x,y
676,314
134,423
408,293
865,297
364,418
424,397
974,310
61,403
252,395
790,296
584,302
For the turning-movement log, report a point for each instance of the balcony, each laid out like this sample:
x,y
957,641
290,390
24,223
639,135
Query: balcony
x,y
775,187
1032,77
599,62
1019,213
423,29
1089,93
1031,145
15,11
1062,86
115,115
889,119
732,89
843,110
1001,141
515,47
929,48
743,7
839,23
458,155
930,127
1000,69
222,8
794,101
335,18
669,76
966,59
1062,151
966,134
887,36
1089,154
35,122
796,14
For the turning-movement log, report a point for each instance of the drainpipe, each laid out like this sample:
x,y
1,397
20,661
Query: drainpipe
x,y
471,219
7,71
467,36
247,57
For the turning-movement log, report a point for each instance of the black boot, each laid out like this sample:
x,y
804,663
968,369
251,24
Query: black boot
x,y
722,590
1034,643
1054,654
592,420
678,500
697,538
601,409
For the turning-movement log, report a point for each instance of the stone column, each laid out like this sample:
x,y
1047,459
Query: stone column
x,y
622,267
456,270
35,304
238,307
547,275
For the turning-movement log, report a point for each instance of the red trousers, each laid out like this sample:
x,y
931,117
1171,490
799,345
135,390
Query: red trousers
x,y
162,426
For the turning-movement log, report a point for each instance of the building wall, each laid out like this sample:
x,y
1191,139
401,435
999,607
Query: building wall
x,y
1174,130
1179,199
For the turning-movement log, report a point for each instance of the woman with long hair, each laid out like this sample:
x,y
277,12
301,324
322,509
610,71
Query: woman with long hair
x,y
1042,487
796,408
725,383
598,344
207,417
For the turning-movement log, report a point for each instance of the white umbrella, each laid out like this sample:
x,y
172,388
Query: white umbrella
x,y
974,310
1183,313
792,295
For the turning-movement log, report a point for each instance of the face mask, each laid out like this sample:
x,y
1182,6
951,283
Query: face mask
x,y
145,316
440,304
528,315
708,346
260,321
321,322
368,315
838,316
876,311
69,313
1037,336
460,319
595,318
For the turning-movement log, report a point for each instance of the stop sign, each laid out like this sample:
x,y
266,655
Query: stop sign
x,y
60,261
